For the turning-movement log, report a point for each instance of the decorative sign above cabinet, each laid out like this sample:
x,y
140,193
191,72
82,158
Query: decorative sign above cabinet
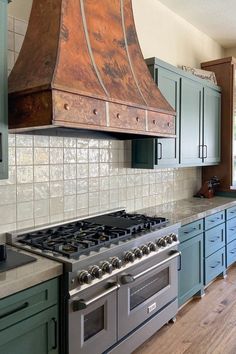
x,y
73,71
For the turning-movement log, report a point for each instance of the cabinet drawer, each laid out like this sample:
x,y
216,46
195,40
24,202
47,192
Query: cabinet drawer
x,y
214,220
230,253
26,303
230,230
214,265
214,239
190,230
231,212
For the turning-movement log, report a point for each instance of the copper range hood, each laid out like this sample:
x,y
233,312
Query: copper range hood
x,y
81,66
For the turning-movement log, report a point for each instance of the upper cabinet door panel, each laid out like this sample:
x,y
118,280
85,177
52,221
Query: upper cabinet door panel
x,y
191,122
211,119
169,84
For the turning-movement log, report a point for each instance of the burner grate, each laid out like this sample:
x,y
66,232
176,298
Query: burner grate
x,y
80,237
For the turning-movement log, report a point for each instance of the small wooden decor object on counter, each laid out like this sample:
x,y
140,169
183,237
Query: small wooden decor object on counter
x,y
208,188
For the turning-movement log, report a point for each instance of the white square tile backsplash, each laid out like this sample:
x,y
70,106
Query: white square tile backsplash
x,y
54,178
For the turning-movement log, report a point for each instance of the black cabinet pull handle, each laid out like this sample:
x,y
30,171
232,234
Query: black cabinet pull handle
x,y
55,333
1,148
233,251
216,265
205,156
17,309
188,232
214,239
159,157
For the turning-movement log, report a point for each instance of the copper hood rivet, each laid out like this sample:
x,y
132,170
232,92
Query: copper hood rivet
x,y
168,124
67,107
154,122
118,115
95,112
137,119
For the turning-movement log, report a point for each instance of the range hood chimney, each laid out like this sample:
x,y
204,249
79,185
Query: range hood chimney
x,y
81,66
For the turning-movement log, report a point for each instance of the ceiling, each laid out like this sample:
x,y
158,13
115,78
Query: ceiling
x,y
216,18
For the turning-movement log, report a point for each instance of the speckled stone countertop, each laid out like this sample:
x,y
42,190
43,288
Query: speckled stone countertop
x,y
31,274
189,210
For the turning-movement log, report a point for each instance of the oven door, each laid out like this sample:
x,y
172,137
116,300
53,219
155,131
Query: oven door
x,y
92,319
145,290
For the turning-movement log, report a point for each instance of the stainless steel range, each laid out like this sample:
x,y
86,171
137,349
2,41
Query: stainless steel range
x,y
120,281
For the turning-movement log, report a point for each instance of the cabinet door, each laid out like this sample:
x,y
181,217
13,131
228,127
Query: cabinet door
x,y
143,153
167,152
37,335
3,91
164,152
211,126
191,273
191,123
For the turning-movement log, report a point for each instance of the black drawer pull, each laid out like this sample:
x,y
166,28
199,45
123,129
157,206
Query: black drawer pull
x,y
233,251
1,148
232,212
17,309
216,265
191,230
214,239
232,229
55,331
213,220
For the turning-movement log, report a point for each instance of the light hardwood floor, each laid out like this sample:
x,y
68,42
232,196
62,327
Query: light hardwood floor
x,y
204,326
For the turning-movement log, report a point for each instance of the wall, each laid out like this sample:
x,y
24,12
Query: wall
x,y
230,52
169,37
161,33
55,178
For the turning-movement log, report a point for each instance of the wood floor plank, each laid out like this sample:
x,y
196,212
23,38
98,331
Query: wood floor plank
x,y
205,326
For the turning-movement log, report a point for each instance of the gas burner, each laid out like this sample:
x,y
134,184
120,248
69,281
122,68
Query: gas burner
x,y
80,237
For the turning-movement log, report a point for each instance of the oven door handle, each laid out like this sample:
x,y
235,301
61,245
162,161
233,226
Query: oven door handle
x,y
129,278
80,304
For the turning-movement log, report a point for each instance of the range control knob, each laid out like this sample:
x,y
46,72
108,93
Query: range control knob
x,y
152,246
84,277
138,253
95,271
169,239
129,256
116,262
161,242
174,237
145,249
106,267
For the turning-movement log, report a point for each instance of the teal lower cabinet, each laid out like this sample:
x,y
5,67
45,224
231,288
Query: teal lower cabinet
x,y
230,236
214,247
36,335
29,321
191,273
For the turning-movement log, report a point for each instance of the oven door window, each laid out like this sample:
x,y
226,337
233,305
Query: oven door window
x,y
93,323
148,288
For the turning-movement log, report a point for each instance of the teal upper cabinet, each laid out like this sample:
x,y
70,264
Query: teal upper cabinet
x,y
191,122
3,91
197,104
211,126
163,152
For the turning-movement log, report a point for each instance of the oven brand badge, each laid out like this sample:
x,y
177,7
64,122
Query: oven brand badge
x,y
152,307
